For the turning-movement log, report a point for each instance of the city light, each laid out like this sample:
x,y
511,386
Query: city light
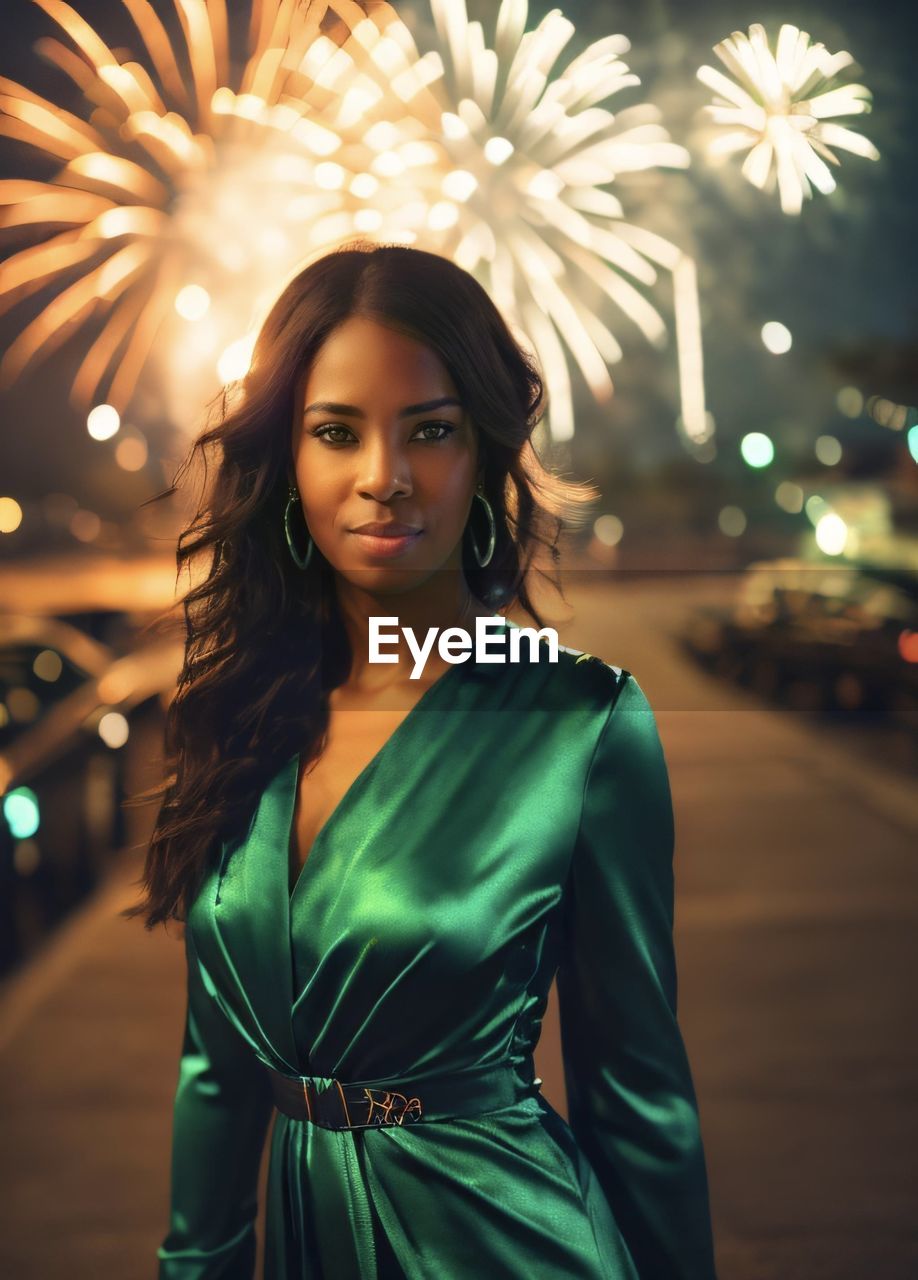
x,y
48,665
131,453
20,809
10,515
757,449
831,534
816,507
789,497
890,414
103,422
776,337
850,402
192,302
732,521
828,450
236,360
114,729
609,530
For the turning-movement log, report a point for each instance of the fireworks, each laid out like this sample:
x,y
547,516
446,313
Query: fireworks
x,y
524,200
166,186
779,109
181,208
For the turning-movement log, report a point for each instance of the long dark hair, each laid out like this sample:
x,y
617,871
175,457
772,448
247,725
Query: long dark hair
x,y
264,641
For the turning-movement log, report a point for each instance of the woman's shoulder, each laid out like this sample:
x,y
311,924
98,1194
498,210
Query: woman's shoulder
x,y
587,676
578,675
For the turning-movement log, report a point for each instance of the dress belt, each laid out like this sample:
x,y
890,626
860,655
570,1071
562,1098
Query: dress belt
x,y
366,1104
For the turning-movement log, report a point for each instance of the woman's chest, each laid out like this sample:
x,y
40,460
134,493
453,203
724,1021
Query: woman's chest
x,y
355,737
458,832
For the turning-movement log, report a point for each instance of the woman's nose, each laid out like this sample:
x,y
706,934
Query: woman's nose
x,y
383,471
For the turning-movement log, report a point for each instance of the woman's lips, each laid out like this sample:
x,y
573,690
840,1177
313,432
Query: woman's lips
x,y
382,547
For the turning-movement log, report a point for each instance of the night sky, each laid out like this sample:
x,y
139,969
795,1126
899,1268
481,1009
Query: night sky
x,y
841,276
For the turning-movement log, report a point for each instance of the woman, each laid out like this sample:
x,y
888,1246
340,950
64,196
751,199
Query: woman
x,y
380,876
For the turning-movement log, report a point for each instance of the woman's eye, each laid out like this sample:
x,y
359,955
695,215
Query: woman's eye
x,y
323,433
437,426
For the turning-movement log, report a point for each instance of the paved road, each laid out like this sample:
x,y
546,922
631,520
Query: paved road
x,y
797,903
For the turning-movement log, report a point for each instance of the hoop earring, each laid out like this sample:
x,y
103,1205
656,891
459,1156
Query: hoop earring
x,y
492,533
300,561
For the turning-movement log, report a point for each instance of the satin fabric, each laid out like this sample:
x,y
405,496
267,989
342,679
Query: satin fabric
x,y
516,825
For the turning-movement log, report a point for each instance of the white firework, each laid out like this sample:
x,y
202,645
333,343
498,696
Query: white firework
x,y
522,197
780,108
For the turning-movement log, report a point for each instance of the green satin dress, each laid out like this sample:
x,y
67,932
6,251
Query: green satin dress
x,y
517,824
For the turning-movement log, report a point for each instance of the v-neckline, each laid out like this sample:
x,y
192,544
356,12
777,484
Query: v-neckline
x,y
361,777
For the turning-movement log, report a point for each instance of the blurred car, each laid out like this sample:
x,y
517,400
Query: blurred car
x,y
830,638
66,699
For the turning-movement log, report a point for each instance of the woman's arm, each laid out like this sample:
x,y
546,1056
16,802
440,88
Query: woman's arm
x,y
222,1108
631,1099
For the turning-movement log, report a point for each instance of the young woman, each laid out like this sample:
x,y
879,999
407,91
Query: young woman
x,y
379,876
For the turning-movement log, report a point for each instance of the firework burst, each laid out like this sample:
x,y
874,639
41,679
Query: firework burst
x,y
522,196
780,108
220,184
180,205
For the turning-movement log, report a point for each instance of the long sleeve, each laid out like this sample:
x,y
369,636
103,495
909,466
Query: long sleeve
x,y
221,1113
631,1098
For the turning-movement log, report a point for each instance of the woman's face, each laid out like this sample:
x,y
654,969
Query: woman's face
x,y
381,438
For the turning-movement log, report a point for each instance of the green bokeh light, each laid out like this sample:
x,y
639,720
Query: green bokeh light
x,y
757,449
20,808
913,441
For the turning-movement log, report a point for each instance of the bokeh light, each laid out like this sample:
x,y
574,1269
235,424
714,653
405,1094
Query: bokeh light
x,y
10,515
912,439
85,525
831,534
114,729
103,422
732,521
828,450
22,704
789,497
131,452
609,530
816,507
236,360
850,402
888,413
777,337
757,449
48,665
20,809
192,302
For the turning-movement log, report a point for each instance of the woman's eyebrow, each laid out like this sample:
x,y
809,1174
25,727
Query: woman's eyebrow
x,y
351,410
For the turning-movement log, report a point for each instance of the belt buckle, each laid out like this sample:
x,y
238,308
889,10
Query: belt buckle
x,y
384,1107
389,1107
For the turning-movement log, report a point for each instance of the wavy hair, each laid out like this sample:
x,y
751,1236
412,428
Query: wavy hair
x,y
264,641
